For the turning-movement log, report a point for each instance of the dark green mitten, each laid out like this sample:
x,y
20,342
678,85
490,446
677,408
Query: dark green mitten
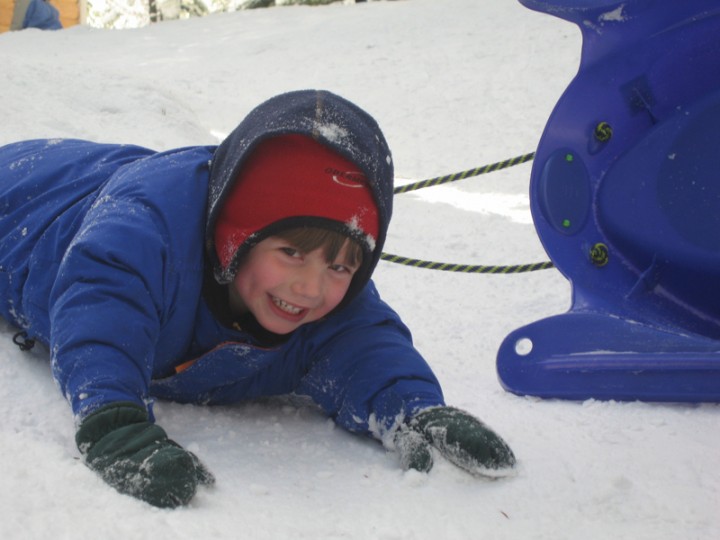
x,y
460,437
136,457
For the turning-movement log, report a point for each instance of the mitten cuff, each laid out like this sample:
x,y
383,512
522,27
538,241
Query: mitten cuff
x,y
106,419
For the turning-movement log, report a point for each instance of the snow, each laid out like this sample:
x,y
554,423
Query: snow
x,y
454,85
616,15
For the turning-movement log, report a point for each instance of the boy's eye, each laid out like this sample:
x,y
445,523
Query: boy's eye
x,y
290,251
341,268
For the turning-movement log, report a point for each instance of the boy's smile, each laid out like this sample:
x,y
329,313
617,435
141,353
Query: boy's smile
x,y
285,288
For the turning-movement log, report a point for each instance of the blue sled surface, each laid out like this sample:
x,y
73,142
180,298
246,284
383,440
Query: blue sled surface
x,y
612,359
625,198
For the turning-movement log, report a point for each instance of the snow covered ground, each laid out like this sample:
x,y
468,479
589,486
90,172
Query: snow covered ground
x,y
454,84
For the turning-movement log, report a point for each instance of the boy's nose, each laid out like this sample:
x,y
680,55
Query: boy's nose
x,y
308,283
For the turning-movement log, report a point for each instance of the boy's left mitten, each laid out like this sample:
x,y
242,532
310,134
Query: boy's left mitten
x,y
460,437
136,457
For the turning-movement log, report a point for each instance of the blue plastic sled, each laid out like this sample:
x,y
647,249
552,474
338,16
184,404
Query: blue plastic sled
x,y
625,197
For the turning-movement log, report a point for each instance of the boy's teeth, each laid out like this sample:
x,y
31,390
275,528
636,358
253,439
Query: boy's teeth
x,y
286,307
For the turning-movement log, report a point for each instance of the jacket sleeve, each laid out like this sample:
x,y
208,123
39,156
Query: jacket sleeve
x,y
106,305
368,376
126,292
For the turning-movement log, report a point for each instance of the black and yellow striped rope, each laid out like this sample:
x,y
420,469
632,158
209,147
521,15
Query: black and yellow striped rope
x,y
462,175
466,268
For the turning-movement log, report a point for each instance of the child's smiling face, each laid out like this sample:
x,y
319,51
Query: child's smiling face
x,y
285,288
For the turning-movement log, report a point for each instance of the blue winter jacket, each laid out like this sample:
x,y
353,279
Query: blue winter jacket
x,y
43,15
103,249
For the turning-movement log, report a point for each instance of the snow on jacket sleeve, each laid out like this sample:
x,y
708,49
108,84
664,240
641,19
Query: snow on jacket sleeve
x,y
369,377
118,286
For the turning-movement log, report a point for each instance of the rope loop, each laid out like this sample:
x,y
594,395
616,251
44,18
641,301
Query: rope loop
x,y
465,268
23,342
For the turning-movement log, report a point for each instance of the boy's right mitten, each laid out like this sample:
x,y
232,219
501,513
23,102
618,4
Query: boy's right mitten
x,y
136,457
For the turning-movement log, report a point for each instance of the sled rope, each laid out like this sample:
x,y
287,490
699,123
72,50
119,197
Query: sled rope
x,y
465,268
462,175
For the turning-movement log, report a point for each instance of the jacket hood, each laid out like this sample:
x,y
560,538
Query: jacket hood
x,y
330,120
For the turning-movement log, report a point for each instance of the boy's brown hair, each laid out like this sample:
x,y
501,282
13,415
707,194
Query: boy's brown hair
x,y
307,239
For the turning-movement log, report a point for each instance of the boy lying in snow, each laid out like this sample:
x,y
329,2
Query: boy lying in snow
x,y
212,275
